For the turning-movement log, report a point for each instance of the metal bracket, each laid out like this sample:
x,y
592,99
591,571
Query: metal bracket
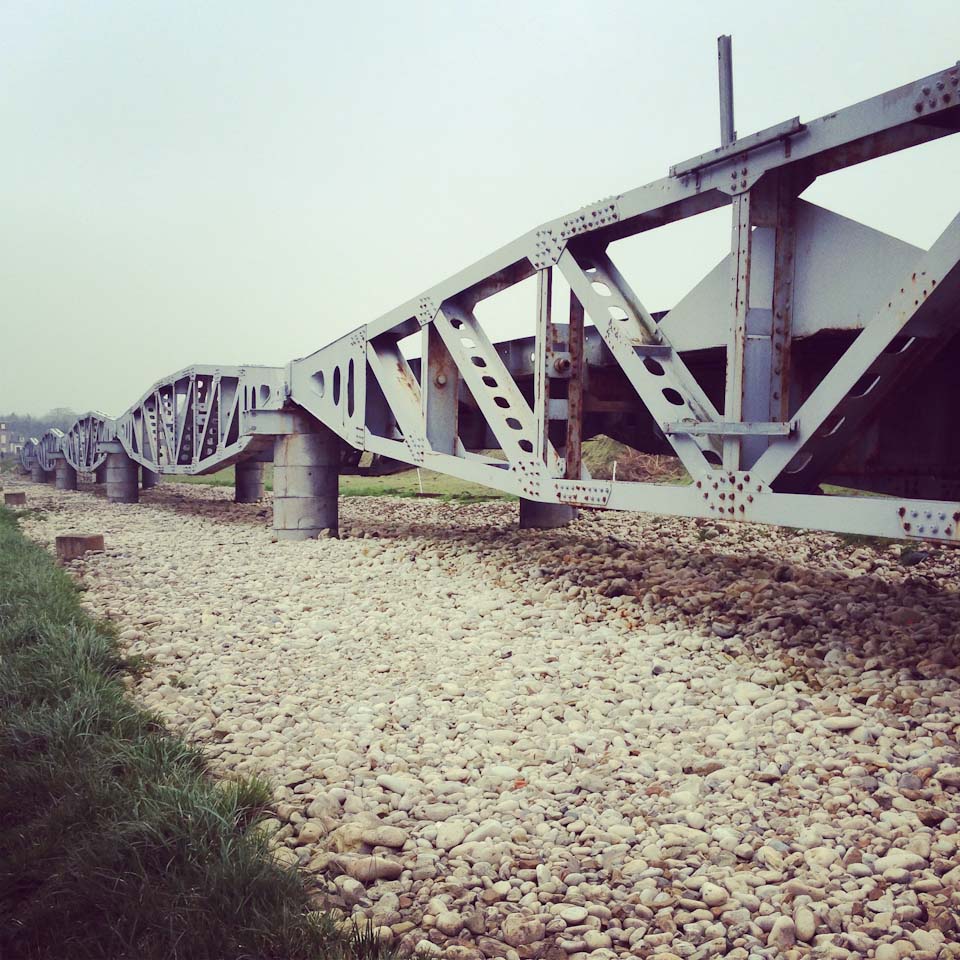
x,y
416,445
692,428
531,477
551,239
584,493
779,131
730,495
269,422
426,310
591,217
546,249
652,349
920,522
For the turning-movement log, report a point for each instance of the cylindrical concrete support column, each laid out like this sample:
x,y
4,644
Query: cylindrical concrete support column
x,y
306,469
545,516
38,474
148,479
122,480
100,475
248,481
66,476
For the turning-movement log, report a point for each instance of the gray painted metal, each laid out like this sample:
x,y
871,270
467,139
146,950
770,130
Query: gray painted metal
x,y
725,63
85,443
48,450
190,422
28,454
769,375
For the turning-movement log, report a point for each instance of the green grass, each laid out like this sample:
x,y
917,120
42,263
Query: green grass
x,y
114,839
403,484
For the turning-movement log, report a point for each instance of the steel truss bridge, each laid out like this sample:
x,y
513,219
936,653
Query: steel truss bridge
x,y
818,351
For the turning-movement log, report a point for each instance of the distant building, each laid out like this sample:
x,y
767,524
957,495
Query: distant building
x,y
10,443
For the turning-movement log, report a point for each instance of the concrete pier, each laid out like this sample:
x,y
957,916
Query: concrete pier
x,y
121,477
100,475
306,468
545,516
39,475
148,479
66,476
248,481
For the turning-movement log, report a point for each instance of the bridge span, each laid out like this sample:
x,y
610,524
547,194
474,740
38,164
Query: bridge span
x,y
818,351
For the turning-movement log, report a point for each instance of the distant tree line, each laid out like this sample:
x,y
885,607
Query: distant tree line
x,y
21,424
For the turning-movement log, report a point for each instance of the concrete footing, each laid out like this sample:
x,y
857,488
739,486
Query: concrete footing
x,y
121,478
71,546
148,479
248,481
545,516
306,469
66,476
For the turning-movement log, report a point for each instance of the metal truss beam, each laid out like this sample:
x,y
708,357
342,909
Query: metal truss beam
x,y
757,381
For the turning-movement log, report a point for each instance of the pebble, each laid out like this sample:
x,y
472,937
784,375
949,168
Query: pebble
x,y
518,930
805,923
839,724
783,934
368,869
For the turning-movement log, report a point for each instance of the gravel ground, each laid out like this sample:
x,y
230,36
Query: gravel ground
x,y
637,736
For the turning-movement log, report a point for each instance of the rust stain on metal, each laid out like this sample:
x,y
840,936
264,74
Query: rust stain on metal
x,y
574,452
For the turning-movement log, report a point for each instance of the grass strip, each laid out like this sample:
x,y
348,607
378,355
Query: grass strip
x,y
114,839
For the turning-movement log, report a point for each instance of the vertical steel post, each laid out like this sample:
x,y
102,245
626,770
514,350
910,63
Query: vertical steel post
x,y
574,451
783,274
544,341
740,248
440,392
535,515
736,346
725,67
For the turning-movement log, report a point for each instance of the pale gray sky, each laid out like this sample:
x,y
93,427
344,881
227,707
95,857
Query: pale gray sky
x,y
228,182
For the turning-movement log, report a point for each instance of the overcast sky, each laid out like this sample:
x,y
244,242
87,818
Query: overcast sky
x,y
229,182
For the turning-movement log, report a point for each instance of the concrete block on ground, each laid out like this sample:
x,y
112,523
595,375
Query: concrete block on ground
x,y
18,499
70,546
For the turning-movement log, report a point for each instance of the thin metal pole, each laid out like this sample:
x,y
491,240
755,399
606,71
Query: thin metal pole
x,y
725,66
